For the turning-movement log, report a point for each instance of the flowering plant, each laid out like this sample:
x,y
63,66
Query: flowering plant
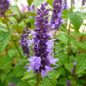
x,y
42,43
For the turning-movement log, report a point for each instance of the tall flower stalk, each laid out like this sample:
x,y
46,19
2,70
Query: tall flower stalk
x,y
74,69
83,2
56,18
42,59
69,33
25,42
73,2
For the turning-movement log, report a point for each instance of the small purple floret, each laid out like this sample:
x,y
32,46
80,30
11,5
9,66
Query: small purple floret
x,y
75,63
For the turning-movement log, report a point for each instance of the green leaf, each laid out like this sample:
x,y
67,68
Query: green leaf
x,y
12,52
28,75
16,80
3,76
32,82
19,70
15,10
81,64
13,20
3,84
4,39
29,20
69,66
62,70
80,45
31,13
63,37
38,2
30,2
51,79
84,15
3,27
5,61
54,74
46,81
76,19
80,34
22,24
65,14
23,83
62,81
59,48
50,2
62,58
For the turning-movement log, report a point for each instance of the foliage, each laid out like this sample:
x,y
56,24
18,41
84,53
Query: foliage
x,y
70,46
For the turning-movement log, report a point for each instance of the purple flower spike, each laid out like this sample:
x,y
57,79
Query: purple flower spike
x,y
83,2
68,83
73,2
4,6
25,42
56,14
41,61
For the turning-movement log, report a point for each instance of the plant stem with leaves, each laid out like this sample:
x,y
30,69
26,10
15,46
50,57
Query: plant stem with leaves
x,y
12,38
69,45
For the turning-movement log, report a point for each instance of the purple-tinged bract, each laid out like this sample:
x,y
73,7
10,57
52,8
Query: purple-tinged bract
x,y
56,18
4,6
41,60
25,42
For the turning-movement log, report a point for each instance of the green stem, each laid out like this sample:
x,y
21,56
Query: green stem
x,y
71,6
55,44
38,79
13,39
69,45
17,47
